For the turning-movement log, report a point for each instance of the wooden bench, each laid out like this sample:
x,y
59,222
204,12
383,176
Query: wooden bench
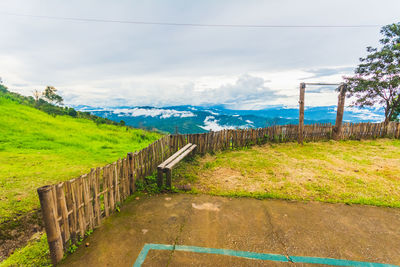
x,y
166,166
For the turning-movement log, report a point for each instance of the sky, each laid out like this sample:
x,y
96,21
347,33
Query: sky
x,y
114,64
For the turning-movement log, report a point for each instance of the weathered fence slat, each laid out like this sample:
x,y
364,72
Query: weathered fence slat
x,y
96,196
62,207
51,224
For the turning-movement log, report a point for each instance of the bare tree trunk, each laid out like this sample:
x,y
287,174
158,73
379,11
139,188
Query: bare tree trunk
x,y
388,114
301,113
339,115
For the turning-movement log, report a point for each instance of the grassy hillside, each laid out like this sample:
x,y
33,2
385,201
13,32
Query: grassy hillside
x,y
362,172
38,149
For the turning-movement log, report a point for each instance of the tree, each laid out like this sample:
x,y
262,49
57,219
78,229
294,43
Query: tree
x,y
50,93
36,95
377,78
72,112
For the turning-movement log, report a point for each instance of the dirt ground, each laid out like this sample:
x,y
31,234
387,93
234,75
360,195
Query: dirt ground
x,y
17,232
284,228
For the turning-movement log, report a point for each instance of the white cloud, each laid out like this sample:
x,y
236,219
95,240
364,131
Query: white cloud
x,y
212,112
211,124
365,114
153,112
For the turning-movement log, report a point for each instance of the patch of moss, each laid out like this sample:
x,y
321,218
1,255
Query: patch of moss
x,y
36,253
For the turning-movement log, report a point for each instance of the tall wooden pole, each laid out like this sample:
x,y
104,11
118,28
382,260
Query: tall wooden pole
x,y
50,218
301,113
339,115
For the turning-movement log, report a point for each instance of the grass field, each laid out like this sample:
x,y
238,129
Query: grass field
x,y
38,149
362,172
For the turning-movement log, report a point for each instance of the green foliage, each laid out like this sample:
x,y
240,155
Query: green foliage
x,y
149,185
71,247
88,232
210,165
36,253
377,78
37,149
50,93
51,109
140,185
71,112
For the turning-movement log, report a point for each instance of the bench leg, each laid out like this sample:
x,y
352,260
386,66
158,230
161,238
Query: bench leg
x,y
169,177
160,177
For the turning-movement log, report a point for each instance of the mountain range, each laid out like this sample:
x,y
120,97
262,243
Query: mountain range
x,y
198,119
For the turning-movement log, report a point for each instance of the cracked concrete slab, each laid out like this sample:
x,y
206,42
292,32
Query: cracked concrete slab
x,y
181,258
240,224
361,233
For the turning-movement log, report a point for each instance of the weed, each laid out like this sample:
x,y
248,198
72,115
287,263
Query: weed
x,y
118,206
71,247
88,232
149,185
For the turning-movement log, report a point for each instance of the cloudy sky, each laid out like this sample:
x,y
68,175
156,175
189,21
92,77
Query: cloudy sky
x,y
107,64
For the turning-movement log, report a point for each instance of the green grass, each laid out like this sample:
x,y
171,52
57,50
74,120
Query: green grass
x,y
36,253
352,172
38,149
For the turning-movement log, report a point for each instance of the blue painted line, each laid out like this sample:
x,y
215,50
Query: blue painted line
x,y
337,262
256,256
142,255
235,253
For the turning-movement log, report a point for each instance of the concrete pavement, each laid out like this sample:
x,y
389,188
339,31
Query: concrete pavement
x,y
288,228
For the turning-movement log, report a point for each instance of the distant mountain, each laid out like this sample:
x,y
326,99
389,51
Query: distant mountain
x,y
195,119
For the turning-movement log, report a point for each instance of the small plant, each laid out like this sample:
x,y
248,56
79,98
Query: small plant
x,y
148,184
89,232
71,247
209,165
140,186
79,242
265,139
118,206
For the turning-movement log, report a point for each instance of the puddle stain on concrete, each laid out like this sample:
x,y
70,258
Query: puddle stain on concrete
x,y
205,206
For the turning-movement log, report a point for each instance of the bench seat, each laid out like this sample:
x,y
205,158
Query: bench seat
x,y
168,164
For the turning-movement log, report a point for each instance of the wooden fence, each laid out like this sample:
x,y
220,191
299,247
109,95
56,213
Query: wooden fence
x,y
232,139
76,206
73,207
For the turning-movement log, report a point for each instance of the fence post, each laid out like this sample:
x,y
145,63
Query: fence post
x,y
301,113
339,115
47,203
131,173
